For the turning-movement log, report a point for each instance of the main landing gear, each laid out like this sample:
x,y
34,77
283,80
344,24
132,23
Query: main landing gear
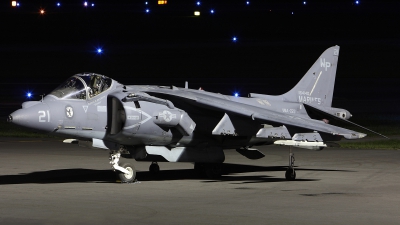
x,y
290,173
209,170
154,169
125,172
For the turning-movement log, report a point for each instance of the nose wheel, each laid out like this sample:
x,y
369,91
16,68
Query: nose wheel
x,y
290,172
126,172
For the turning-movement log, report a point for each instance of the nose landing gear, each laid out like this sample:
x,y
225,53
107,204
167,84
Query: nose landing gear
x,y
125,172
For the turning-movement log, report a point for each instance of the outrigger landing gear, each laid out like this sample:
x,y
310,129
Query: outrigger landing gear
x,y
290,173
125,172
154,169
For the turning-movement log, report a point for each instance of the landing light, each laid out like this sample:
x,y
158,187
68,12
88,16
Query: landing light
x,y
58,4
99,50
234,39
212,11
29,95
147,10
197,13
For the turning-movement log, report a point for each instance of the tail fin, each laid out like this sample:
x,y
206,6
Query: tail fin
x,y
316,86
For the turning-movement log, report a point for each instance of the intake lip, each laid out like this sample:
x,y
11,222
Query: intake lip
x,y
9,118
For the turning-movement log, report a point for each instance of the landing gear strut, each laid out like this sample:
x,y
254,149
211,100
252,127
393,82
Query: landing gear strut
x,y
125,172
290,173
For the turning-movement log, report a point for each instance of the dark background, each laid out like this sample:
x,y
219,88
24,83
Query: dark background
x,y
278,41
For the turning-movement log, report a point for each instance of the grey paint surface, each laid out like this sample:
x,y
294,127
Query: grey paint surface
x,y
44,182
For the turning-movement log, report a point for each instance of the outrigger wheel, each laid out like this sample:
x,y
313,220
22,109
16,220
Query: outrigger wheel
x,y
127,178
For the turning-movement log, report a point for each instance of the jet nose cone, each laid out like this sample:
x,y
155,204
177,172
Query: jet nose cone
x,y
36,116
18,117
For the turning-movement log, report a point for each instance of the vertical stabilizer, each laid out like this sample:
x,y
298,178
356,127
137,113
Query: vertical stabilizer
x,y
316,86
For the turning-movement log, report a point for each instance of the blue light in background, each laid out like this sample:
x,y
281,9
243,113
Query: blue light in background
x,y
236,94
92,4
147,10
99,50
304,3
58,4
357,2
247,3
29,94
212,11
198,3
234,39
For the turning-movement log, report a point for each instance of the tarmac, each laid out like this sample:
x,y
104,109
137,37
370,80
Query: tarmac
x,y
49,182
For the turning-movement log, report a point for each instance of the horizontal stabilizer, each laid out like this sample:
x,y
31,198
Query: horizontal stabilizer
x,y
328,115
224,127
250,153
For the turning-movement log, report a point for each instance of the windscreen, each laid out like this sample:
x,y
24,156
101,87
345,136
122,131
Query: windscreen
x,y
73,88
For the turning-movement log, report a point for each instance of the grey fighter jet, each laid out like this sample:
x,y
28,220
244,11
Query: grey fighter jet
x,y
168,123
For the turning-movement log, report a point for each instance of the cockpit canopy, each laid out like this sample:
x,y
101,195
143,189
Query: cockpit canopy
x,y
82,86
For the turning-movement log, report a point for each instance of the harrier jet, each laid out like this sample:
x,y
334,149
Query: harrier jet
x,y
174,124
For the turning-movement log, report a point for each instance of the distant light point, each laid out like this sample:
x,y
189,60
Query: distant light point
x,y
147,10
236,94
92,4
197,13
304,3
212,11
42,11
357,2
99,50
85,4
29,95
198,3
234,39
146,3
58,4
247,3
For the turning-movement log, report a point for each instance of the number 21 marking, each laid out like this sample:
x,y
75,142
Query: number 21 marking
x,y
42,116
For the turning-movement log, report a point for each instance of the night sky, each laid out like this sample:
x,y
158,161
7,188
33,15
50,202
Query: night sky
x,y
277,42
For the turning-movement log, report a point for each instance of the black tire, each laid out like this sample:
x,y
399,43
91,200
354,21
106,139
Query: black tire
x,y
154,169
199,169
290,174
127,178
213,170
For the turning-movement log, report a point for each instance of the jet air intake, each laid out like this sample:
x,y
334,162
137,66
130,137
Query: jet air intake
x,y
174,118
116,116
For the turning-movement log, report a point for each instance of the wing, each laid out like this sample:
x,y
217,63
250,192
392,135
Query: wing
x,y
223,103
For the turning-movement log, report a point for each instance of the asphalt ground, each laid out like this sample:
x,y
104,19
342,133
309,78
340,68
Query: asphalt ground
x,y
49,182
